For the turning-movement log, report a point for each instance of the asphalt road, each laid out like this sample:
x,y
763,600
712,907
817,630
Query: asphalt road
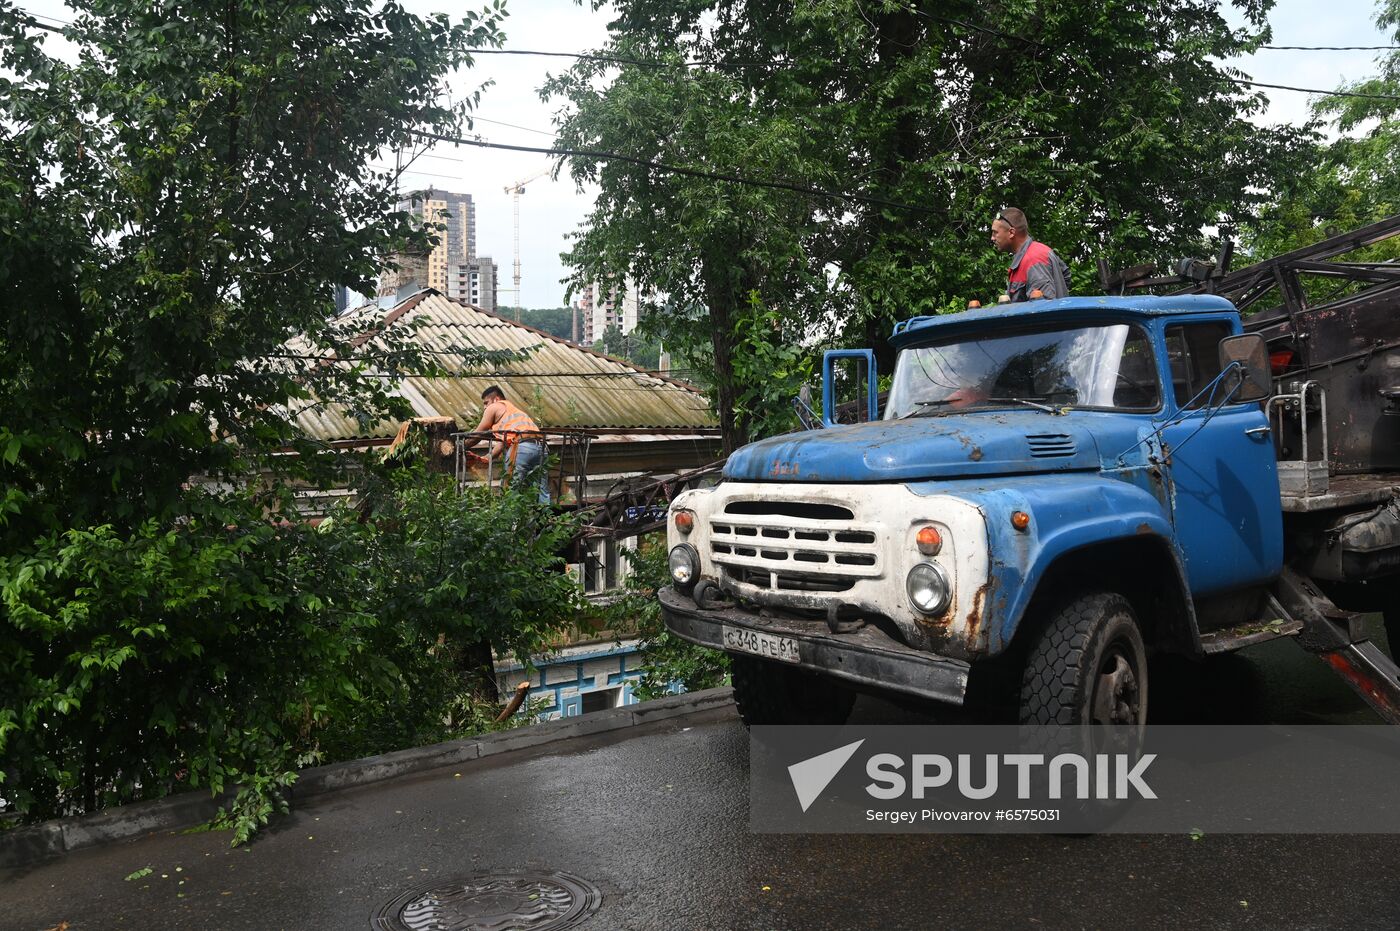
x,y
657,818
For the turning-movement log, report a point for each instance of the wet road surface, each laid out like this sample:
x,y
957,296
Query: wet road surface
x,y
657,818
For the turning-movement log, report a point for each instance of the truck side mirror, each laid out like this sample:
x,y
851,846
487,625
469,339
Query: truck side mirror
x,y
872,400
1254,378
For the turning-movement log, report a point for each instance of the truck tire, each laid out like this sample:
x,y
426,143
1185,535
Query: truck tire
x,y
773,693
1088,665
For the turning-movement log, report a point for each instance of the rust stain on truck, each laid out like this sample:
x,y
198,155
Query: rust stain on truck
x,y
973,621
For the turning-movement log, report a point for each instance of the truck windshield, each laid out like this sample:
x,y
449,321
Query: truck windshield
x,y
1099,366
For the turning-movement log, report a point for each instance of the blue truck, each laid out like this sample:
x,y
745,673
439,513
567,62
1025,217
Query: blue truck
x,y
1054,492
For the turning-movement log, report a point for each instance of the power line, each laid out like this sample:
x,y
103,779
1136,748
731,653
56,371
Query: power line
x,y
679,170
1314,90
624,60
991,32
616,59
44,26
1331,48
481,119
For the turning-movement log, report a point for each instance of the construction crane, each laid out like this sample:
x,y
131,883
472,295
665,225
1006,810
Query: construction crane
x,y
515,190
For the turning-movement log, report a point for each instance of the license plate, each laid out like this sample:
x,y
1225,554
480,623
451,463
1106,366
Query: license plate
x,y
766,645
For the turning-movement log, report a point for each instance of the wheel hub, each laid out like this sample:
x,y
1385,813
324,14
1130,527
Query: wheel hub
x,y
1116,699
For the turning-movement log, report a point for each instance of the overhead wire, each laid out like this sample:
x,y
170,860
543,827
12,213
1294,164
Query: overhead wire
x,y
1331,48
987,30
677,169
1310,90
774,184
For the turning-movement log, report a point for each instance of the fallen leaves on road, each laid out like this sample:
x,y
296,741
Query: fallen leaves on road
x,y
142,873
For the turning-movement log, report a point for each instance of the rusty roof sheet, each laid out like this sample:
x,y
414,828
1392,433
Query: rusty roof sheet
x,y
561,385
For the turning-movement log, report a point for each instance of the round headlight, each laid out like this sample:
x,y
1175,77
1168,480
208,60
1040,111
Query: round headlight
x,y
927,586
685,564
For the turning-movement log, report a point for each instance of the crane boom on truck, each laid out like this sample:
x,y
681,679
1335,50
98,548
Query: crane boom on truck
x,y
1055,491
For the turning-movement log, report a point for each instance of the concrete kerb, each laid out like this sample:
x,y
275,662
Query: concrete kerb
x,y
22,846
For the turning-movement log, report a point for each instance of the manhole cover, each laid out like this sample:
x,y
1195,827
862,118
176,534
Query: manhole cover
x,y
492,902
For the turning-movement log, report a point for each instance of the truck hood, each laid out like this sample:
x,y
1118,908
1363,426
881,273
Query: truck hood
x,y
979,443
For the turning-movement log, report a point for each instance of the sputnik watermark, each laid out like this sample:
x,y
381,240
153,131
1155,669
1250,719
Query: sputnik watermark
x,y
1224,779
1116,776
811,777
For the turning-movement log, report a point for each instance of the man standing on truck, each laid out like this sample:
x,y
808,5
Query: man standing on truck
x,y
1034,265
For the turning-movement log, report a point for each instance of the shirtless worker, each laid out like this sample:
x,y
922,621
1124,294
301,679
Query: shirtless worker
x,y
516,435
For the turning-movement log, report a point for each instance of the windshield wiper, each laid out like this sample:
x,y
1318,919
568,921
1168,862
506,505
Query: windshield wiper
x,y
1035,404
941,402
920,405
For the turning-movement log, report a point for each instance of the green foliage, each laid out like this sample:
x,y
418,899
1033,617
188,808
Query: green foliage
x,y
771,366
557,321
213,656
669,660
1352,181
454,572
636,347
177,204
1111,123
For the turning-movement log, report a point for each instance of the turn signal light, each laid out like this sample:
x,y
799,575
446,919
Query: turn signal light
x,y
1020,520
929,540
685,521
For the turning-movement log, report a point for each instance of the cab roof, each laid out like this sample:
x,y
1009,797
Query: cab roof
x,y
1031,312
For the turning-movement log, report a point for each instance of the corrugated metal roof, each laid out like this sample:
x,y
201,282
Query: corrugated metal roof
x,y
561,385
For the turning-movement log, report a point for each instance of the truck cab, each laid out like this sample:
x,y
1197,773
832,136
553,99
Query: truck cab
x,y
1053,490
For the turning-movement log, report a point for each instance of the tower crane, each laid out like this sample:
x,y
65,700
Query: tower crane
x,y
515,190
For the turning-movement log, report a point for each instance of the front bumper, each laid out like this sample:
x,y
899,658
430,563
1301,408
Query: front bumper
x,y
868,656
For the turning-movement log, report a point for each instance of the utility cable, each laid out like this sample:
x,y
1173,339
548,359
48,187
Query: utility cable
x,y
779,62
678,169
1313,90
1331,48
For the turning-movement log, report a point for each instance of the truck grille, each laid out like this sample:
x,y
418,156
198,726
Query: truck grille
x,y
792,546
789,583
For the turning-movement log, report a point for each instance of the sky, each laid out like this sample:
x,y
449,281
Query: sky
x,y
550,209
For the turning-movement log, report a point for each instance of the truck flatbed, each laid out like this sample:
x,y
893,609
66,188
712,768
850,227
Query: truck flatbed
x,y
1345,492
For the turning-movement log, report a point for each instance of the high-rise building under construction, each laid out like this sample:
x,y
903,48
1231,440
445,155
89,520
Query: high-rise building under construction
x,y
452,265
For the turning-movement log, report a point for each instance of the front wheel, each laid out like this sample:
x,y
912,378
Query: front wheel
x,y
1088,665
774,693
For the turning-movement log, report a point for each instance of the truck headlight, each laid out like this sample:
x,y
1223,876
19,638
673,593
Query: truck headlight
x,y
685,565
927,585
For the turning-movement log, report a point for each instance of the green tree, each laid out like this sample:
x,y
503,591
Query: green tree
x,y
177,204
557,321
636,347
1110,122
669,661
1352,181
451,575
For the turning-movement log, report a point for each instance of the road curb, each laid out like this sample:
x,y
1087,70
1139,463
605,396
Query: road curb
x,y
27,845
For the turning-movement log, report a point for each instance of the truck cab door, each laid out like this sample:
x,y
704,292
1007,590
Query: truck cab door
x,y
1225,497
